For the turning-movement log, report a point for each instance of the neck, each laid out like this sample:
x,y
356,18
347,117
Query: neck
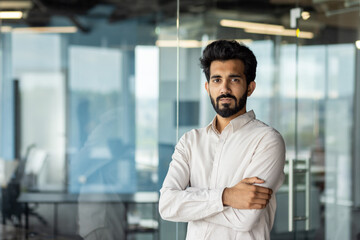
x,y
222,122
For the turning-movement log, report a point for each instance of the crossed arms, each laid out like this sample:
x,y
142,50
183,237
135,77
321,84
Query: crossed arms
x,y
238,207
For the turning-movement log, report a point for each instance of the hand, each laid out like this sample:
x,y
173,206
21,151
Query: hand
x,y
246,195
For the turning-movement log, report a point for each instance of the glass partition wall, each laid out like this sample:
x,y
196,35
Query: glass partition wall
x,y
307,86
83,93
93,105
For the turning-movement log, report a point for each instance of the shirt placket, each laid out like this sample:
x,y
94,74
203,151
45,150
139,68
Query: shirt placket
x,y
218,151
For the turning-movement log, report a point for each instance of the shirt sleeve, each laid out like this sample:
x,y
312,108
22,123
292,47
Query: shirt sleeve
x,y
181,203
268,164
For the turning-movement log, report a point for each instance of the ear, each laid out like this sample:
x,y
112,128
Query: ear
x,y
251,88
207,87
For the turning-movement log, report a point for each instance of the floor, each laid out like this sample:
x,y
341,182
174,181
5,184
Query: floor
x,y
8,232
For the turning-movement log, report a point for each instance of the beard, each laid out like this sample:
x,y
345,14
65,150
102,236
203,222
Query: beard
x,y
226,111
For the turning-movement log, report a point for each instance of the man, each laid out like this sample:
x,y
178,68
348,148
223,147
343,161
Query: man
x,y
222,177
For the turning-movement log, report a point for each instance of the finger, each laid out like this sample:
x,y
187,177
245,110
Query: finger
x,y
263,190
257,206
252,180
259,201
256,188
262,196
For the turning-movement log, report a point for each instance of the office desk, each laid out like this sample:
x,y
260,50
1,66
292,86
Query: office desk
x,y
66,198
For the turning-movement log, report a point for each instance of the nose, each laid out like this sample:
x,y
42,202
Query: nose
x,y
225,88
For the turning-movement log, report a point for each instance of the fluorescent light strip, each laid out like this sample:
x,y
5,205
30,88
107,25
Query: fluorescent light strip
x,y
357,43
190,43
182,43
262,28
285,32
15,4
250,25
45,30
11,14
5,29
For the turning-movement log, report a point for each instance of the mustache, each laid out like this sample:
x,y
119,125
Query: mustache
x,y
225,96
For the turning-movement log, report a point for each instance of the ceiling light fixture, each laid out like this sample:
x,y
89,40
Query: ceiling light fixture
x,y
262,28
182,43
250,25
305,15
70,29
14,4
357,43
11,14
285,32
5,29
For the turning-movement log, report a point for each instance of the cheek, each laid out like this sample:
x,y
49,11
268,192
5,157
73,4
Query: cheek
x,y
212,92
240,93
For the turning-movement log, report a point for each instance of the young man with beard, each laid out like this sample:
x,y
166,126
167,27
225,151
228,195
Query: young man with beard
x,y
222,178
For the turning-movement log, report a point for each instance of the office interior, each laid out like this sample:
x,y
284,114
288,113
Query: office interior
x,y
94,95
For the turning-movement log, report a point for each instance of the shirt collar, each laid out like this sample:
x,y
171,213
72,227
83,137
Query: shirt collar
x,y
236,123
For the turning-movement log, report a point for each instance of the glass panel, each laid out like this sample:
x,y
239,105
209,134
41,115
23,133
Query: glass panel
x,y
305,89
338,196
83,118
326,72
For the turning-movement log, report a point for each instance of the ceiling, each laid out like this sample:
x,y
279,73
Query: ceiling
x,y
332,13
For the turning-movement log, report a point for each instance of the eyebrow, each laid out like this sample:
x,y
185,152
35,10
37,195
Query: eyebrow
x,y
235,75
231,75
216,76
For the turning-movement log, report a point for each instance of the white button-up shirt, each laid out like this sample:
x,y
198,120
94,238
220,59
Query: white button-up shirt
x,y
205,162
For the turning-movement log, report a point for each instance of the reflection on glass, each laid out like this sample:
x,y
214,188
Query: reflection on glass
x,y
101,161
96,141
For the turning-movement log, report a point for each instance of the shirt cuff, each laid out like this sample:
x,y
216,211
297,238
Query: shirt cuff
x,y
215,200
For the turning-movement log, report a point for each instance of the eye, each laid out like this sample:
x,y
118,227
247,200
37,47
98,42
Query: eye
x,y
216,80
235,80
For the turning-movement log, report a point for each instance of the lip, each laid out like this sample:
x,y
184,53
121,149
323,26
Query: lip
x,y
226,100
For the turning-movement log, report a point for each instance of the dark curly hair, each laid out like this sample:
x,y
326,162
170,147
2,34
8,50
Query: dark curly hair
x,y
229,49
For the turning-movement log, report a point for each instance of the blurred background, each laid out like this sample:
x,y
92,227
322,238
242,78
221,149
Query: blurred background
x,y
94,95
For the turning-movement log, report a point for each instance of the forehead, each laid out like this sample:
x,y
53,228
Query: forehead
x,y
227,66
